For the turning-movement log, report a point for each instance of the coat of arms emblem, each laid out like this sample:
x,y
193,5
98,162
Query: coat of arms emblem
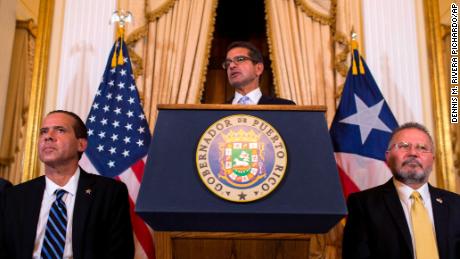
x,y
241,158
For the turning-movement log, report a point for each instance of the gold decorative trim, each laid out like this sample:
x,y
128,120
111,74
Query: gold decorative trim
x,y
204,68
29,25
341,58
142,31
316,16
37,98
131,40
445,31
137,34
342,40
440,97
157,13
137,61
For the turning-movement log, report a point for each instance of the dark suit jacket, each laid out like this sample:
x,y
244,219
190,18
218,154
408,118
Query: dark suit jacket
x,y
101,220
376,226
273,100
4,184
265,99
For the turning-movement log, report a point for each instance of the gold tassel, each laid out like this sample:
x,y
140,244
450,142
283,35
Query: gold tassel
x,y
354,44
361,67
121,60
117,58
121,35
114,58
354,68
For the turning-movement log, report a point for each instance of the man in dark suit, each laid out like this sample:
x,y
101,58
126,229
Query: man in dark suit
x,y
386,221
244,65
4,184
96,208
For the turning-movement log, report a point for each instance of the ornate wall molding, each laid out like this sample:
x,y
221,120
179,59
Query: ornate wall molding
x,y
34,117
440,98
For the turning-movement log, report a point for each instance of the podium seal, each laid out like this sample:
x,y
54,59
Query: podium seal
x,y
241,158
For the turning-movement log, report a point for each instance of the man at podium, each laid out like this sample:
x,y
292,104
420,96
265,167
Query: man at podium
x,y
244,65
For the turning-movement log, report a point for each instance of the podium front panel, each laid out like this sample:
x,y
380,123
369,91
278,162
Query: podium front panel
x,y
172,196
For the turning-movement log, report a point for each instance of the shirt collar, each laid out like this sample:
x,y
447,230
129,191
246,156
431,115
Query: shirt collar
x,y
405,191
70,187
254,96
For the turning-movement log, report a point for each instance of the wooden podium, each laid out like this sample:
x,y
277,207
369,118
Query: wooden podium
x,y
192,222
210,245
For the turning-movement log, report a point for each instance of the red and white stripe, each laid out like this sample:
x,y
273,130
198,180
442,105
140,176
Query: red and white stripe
x,y
359,173
132,177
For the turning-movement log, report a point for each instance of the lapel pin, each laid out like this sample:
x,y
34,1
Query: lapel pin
x,y
439,200
88,191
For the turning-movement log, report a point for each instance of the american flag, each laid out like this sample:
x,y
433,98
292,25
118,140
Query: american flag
x,y
361,130
119,136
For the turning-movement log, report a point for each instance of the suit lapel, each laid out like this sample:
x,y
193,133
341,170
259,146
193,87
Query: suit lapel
x,y
265,100
83,202
440,217
394,206
34,200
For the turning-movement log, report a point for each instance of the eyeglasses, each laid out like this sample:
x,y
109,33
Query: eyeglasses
x,y
406,147
237,60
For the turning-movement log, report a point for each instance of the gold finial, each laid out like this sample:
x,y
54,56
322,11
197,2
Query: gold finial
x,y
354,39
122,17
354,46
354,35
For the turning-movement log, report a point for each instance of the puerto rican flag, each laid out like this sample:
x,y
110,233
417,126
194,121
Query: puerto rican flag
x,y
119,137
361,130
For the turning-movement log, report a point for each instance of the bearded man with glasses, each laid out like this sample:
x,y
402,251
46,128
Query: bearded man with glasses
x,y
244,65
405,217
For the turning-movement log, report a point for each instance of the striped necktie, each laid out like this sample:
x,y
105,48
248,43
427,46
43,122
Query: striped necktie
x,y
244,100
54,241
425,240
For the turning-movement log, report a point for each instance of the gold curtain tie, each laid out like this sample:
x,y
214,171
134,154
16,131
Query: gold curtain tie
x,y
422,228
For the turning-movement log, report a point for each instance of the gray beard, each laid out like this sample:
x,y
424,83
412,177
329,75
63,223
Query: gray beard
x,y
411,177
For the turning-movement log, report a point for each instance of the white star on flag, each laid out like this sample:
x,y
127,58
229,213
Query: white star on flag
x,y
367,118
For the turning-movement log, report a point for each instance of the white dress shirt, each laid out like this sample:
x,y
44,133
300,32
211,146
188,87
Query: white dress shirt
x,y
47,202
254,96
404,193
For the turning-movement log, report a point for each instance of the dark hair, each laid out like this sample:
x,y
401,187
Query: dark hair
x,y
412,125
254,52
79,127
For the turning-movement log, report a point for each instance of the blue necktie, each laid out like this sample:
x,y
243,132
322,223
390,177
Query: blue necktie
x,y
244,100
54,242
